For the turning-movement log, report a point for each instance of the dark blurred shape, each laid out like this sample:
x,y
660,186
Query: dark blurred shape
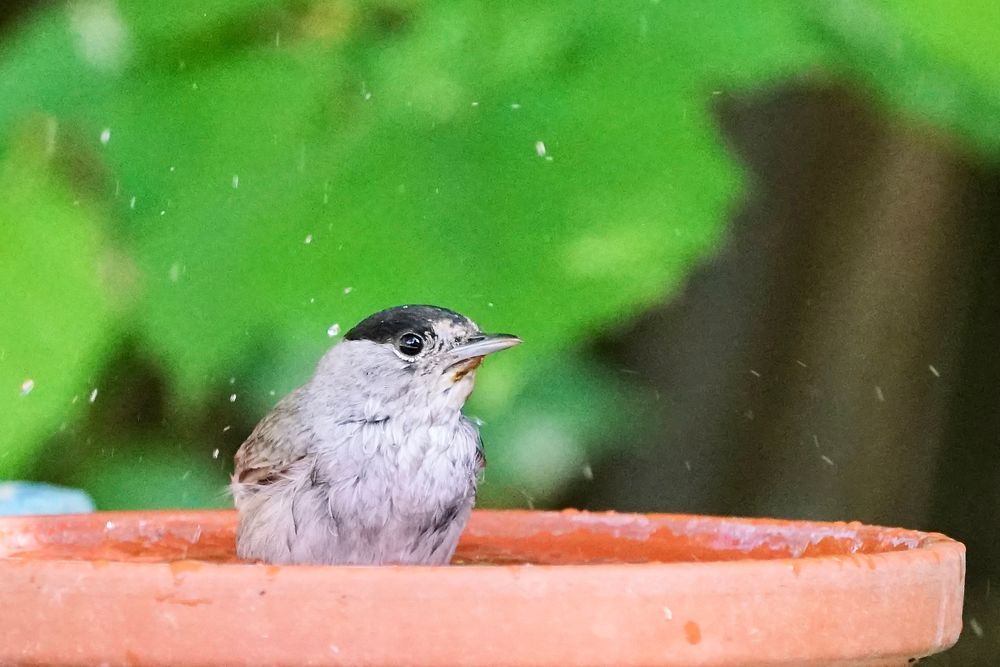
x,y
10,10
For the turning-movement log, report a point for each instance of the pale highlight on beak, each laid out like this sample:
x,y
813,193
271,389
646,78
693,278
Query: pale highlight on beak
x,y
480,346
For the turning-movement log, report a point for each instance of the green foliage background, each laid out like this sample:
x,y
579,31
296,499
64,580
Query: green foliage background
x,y
209,186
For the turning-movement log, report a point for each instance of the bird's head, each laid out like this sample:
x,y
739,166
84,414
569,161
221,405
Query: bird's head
x,y
409,352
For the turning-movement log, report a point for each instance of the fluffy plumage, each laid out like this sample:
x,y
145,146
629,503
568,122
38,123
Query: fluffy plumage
x,y
371,461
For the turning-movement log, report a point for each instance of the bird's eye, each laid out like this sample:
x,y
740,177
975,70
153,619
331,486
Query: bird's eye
x,y
411,344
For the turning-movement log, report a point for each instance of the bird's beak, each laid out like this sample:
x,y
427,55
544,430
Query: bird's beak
x,y
483,344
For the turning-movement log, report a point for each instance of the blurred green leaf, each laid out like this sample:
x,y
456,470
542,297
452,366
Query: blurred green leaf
x,y
145,474
937,61
54,319
284,189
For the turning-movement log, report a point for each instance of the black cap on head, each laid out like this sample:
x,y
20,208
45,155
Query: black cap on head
x,y
387,325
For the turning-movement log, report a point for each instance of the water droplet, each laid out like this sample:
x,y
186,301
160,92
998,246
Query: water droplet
x,y
215,453
27,386
348,290
540,148
226,428
236,181
131,203
93,395
309,239
105,136
515,106
232,398
588,472
933,371
333,330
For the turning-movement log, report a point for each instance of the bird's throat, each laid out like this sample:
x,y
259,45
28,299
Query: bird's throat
x,y
464,368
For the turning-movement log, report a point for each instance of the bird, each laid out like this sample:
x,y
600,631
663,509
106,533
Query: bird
x,y
371,461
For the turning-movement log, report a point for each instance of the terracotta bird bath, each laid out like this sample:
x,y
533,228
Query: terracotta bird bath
x,y
528,588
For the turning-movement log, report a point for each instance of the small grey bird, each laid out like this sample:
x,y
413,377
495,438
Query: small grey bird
x,y
372,460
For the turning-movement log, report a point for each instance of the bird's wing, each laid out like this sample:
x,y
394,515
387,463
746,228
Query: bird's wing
x,y
276,443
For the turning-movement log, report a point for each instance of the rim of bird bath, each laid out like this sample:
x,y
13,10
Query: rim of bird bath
x,y
526,587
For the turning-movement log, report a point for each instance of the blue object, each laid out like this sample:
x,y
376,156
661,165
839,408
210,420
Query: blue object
x,y
23,498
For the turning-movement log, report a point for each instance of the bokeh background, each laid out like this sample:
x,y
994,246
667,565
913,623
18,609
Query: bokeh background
x,y
753,248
